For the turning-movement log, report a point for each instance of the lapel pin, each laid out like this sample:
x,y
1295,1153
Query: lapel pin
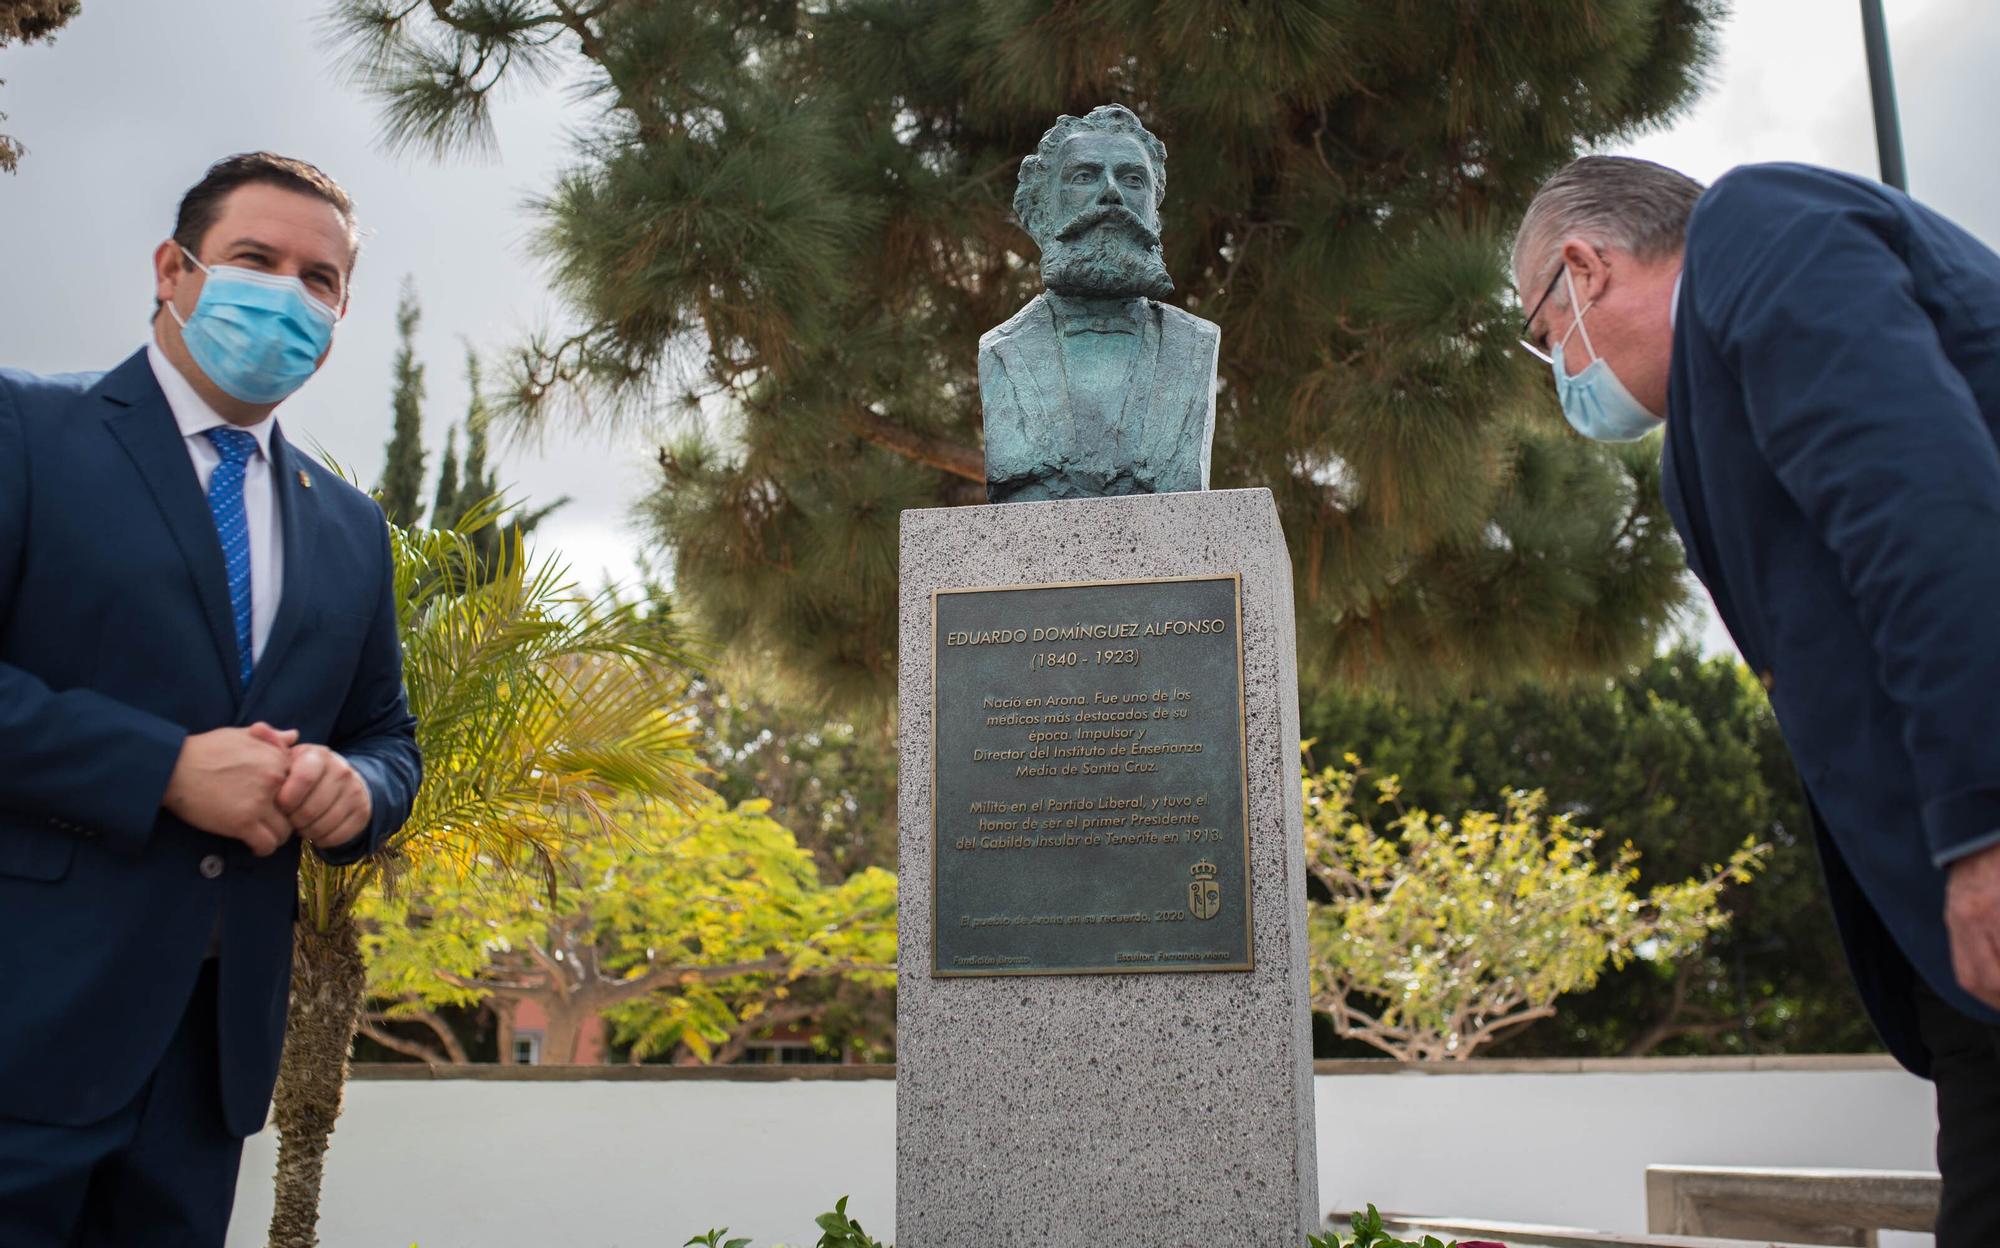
x,y
305,480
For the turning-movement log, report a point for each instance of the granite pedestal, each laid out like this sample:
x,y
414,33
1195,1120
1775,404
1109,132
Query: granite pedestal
x,y
1146,1109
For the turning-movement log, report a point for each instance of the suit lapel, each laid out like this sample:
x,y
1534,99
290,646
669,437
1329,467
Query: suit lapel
x,y
144,426
1038,349
1142,406
298,513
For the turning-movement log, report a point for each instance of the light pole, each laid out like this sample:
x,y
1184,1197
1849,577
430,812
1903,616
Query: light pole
x,y
1882,86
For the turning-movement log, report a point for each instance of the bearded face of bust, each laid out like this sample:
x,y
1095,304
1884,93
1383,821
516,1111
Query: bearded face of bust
x,y
1097,386
1098,220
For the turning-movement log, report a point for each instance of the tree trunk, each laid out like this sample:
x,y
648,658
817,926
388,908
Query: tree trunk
x,y
503,1028
328,977
564,1028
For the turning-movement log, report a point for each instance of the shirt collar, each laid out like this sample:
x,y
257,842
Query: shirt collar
x,y
191,412
1674,302
1101,316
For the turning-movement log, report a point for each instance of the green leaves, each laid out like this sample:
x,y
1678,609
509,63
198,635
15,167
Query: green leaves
x,y
1368,1233
837,1230
686,928
840,1231
1441,935
534,703
1682,757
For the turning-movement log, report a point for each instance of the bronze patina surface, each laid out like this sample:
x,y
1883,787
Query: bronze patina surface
x,y
1096,387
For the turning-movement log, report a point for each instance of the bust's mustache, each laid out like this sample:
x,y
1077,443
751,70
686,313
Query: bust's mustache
x,y
1124,219
1106,251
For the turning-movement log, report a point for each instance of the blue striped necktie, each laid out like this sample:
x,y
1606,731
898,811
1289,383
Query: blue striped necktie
x,y
232,526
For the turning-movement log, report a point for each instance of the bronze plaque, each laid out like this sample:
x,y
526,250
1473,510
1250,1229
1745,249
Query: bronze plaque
x,y
1089,803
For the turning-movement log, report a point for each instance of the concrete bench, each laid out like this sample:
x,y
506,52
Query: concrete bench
x,y
1836,1207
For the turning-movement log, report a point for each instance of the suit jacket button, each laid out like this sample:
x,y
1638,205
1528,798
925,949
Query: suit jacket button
x,y
211,866
1767,680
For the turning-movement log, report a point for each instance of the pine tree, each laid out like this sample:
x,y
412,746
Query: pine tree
x,y
402,483
793,222
26,21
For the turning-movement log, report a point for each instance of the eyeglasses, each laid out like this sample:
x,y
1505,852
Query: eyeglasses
x,y
1527,330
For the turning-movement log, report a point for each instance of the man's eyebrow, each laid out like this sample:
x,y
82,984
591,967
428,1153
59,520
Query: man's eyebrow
x,y
321,267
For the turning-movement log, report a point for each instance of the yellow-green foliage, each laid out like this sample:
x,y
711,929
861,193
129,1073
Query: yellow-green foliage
x,y
534,702
683,925
1442,935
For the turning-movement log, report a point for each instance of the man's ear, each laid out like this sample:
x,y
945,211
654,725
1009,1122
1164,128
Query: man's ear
x,y
168,266
1586,269
171,267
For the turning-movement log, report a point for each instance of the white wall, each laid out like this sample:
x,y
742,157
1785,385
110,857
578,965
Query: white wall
x,y
1572,1149
586,1164
646,1164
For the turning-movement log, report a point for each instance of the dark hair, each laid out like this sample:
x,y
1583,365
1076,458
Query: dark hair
x,y
203,203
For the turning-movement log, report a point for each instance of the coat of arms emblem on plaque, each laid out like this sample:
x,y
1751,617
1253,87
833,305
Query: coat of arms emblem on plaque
x,y
1204,894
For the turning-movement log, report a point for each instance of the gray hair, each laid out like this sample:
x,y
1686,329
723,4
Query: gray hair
x,y
1031,195
1611,201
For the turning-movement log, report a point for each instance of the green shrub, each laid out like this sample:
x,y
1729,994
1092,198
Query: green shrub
x,y
837,1230
840,1231
1368,1233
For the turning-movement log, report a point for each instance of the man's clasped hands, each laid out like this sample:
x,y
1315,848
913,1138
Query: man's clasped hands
x,y
260,786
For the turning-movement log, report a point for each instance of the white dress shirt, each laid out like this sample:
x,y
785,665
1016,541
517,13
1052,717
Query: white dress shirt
x,y
260,501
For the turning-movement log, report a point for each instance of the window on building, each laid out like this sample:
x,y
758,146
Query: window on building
x,y
787,1053
527,1048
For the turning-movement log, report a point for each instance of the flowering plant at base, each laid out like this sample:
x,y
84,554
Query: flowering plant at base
x,y
840,1231
1368,1233
837,1230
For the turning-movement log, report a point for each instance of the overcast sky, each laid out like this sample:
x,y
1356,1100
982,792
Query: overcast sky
x,y
125,109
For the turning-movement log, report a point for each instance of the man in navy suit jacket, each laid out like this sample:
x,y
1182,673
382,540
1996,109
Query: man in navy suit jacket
x,y
199,671
1825,353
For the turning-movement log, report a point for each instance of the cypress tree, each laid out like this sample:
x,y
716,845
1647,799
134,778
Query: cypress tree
x,y
479,482
447,506
797,217
402,483
461,488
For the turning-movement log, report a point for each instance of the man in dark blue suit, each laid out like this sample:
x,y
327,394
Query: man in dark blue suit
x,y
1825,353
199,671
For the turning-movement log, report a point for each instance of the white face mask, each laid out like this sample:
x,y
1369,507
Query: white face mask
x,y
1596,404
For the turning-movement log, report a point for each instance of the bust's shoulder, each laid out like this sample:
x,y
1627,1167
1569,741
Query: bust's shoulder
x,y
1033,315
1180,321
1181,324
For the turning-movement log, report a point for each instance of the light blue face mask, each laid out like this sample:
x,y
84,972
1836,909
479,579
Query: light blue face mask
x,y
1596,404
258,336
